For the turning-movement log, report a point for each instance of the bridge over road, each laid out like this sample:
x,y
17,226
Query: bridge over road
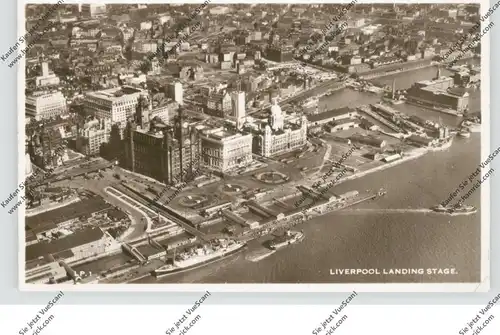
x,y
183,222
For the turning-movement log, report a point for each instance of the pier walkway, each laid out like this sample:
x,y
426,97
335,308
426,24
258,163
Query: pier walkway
x,y
366,109
183,222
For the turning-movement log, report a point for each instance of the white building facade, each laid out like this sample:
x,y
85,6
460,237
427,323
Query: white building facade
x,y
43,105
224,151
117,104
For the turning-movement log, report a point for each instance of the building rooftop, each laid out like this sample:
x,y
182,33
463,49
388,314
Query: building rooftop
x,y
174,239
329,114
30,236
343,121
50,219
41,263
220,134
40,96
451,92
114,94
40,228
57,248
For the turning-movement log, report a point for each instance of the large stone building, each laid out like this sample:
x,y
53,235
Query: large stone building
x,y
439,93
43,258
276,136
82,244
279,53
169,154
117,104
44,105
219,104
92,135
92,10
224,150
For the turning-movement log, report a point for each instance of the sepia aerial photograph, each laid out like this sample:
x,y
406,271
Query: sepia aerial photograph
x,y
215,143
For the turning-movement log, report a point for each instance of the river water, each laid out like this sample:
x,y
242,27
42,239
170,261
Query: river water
x,y
354,238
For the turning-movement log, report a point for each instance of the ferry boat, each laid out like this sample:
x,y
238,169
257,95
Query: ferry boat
x,y
200,256
458,209
464,133
290,237
443,144
473,127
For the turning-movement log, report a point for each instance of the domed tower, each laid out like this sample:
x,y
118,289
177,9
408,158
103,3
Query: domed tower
x,y
277,120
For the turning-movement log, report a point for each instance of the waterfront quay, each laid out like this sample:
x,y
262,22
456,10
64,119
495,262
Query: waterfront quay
x,y
258,239
309,209
122,267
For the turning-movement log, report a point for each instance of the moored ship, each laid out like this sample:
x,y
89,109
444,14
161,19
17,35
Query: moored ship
x,y
200,256
472,126
443,144
290,237
373,89
458,209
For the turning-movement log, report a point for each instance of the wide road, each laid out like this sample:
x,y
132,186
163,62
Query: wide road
x,y
97,186
159,208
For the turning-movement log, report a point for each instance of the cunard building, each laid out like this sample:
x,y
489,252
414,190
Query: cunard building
x,y
224,149
167,153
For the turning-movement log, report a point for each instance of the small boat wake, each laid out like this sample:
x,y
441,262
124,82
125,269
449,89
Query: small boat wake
x,y
259,256
385,210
